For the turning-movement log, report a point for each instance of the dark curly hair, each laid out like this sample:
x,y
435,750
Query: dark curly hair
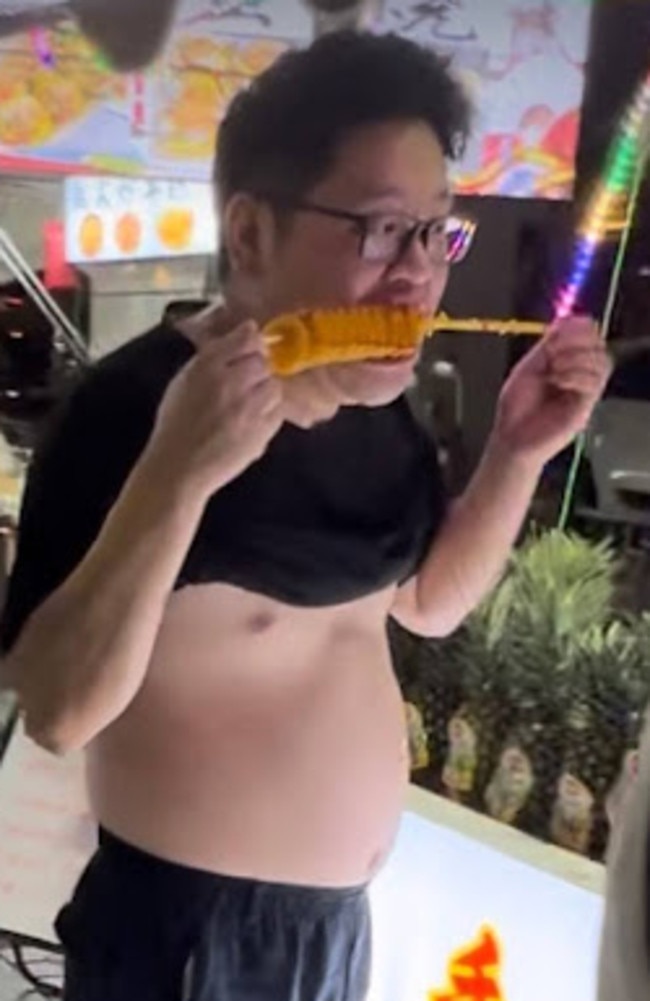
x,y
281,134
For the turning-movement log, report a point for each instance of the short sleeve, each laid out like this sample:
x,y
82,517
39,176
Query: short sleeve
x,y
76,475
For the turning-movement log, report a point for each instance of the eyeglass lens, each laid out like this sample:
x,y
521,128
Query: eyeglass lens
x,y
447,241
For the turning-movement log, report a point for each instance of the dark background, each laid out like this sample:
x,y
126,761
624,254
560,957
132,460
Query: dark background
x,y
523,247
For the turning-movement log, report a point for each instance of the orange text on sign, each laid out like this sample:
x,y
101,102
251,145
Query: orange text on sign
x,y
474,972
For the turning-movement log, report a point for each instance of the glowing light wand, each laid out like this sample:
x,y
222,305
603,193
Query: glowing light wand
x,y
614,187
621,182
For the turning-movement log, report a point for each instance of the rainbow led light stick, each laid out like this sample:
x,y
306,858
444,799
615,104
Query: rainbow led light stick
x,y
612,190
619,186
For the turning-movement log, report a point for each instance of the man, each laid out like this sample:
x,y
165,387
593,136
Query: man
x,y
203,583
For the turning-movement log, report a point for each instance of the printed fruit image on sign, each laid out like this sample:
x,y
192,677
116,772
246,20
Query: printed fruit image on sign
x,y
91,235
128,233
175,228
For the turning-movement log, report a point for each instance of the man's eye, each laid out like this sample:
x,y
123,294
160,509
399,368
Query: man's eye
x,y
389,226
439,228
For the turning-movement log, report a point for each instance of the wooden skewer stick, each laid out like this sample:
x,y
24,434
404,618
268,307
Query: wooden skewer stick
x,y
620,350
488,326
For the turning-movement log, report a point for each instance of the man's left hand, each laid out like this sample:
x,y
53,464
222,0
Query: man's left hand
x,y
550,395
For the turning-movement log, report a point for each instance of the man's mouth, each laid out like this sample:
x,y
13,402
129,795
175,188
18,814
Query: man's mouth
x,y
394,361
395,302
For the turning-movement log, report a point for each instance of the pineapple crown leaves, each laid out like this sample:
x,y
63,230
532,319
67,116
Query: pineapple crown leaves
x,y
613,672
556,586
546,640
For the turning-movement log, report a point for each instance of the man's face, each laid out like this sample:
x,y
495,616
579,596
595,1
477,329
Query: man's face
x,y
318,261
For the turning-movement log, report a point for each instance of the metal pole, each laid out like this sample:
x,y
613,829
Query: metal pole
x,y
68,335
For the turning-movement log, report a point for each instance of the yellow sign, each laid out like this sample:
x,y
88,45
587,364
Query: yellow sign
x,y
131,219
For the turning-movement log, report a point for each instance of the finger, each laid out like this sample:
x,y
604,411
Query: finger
x,y
243,340
232,365
582,338
584,380
266,398
205,323
585,383
573,341
248,371
588,352
579,323
580,350
588,359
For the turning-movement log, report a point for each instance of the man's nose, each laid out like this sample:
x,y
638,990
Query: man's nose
x,y
415,263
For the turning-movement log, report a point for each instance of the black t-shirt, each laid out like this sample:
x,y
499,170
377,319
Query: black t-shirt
x,y
324,517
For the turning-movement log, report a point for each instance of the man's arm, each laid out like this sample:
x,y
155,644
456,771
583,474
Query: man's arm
x,y
472,546
547,400
83,655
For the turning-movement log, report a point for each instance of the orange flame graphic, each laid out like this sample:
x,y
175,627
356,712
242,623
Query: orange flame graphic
x,y
474,972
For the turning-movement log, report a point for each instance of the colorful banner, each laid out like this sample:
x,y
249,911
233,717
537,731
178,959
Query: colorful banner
x,y
286,19
523,64
63,110
124,219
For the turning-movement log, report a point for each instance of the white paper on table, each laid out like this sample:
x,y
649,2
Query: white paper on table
x,y
47,835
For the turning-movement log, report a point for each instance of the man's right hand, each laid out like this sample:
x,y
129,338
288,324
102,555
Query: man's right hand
x,y
220,412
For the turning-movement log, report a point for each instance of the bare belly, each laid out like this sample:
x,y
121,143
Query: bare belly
x,y
267,741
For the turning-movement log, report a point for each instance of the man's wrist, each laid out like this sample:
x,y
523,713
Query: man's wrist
x,y
502,456
179,487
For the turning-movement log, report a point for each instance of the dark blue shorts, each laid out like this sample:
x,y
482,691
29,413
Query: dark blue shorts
x,y
143,929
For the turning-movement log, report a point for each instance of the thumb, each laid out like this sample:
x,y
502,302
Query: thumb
x,y
208,324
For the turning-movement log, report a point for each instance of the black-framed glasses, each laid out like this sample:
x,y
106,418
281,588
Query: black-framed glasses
x,y
385,236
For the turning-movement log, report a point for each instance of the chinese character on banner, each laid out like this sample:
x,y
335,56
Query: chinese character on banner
x,y
474,972
247,9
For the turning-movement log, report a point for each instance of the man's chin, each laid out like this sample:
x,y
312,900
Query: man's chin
x,y
379,383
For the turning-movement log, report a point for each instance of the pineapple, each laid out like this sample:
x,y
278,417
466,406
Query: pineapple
x,y
427,675
518,676
611,689
532,707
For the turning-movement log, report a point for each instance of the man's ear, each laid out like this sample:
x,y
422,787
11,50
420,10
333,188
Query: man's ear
x,y
248,234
